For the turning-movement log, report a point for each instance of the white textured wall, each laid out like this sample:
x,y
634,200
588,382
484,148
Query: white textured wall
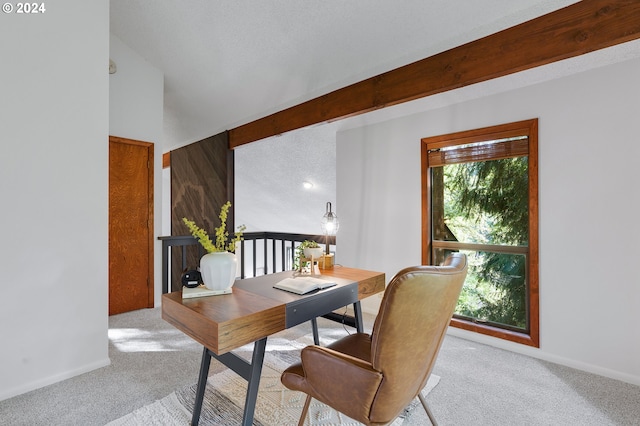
x,y
136,96
269,175
53,187
589,207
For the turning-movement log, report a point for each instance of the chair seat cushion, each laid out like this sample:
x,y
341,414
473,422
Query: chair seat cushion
x,y
357,345
348,361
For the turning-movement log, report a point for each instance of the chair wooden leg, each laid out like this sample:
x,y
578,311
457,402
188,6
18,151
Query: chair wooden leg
x,y
305,409
426,408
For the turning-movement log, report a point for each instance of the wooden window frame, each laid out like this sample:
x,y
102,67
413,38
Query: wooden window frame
x,y
527,128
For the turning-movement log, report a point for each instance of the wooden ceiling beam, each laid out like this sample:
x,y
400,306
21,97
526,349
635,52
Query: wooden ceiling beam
x,y
577,29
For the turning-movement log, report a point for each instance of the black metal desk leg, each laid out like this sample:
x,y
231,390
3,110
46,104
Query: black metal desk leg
x,y
357,313
314,329
254,381
202,385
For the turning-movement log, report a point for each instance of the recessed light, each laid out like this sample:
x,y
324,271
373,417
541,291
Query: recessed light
x,y
307,185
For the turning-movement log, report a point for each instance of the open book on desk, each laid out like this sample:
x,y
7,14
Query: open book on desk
x,y
303,285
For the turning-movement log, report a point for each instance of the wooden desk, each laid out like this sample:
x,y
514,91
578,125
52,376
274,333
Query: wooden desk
x,y
254,311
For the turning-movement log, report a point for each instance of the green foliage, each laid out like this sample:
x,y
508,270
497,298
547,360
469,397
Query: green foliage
x,y
487,203
300,252
495,290
493,194
221,233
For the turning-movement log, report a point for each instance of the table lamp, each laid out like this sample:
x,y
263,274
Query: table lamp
x,y
329,227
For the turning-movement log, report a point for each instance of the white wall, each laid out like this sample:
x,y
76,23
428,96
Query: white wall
x,y
589,198
269,174
53,187
136,97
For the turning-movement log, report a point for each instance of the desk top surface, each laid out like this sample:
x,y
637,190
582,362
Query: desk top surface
x,y
254,309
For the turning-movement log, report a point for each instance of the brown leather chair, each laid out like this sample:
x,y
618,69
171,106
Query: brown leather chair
x,y
372,378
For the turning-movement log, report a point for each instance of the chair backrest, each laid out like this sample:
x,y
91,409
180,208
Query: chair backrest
x,y
411,324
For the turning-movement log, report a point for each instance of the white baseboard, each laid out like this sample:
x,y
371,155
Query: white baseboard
x,y
37,384
545,356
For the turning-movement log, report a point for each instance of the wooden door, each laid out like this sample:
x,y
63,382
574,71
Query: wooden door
x,y
130,225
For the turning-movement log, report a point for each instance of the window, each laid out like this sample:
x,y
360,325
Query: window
x,y
480,197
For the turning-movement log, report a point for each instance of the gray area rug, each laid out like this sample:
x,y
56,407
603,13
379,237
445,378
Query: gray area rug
x,y
225,394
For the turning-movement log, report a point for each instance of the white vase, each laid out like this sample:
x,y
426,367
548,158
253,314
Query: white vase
x,y
218,270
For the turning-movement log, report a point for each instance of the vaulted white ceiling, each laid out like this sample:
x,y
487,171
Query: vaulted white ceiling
x,y
228,62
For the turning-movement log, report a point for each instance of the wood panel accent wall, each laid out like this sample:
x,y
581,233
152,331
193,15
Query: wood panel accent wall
x,y
572,31
202,180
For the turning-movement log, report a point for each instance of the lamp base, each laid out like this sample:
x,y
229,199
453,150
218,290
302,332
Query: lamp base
x,y
326,261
